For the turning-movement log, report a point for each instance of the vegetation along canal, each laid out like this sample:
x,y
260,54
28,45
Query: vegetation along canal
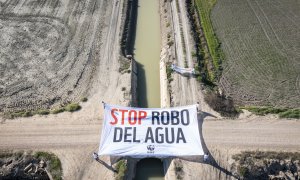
x,y
147,55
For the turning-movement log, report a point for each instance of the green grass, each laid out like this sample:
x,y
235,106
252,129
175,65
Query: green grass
x,y
169,73
204,8
243,171
124,66
243,156
282,112
58,110
121,168
292,113
27,114
72,107
54,163
43,112
12,115
5,154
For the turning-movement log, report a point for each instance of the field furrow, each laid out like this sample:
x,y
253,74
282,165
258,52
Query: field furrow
x,y
261,42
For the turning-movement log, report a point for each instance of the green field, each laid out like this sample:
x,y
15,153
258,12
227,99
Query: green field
x,y
261,43
204,9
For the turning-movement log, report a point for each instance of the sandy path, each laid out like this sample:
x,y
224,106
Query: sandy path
x,y
186,94
189,89
194,85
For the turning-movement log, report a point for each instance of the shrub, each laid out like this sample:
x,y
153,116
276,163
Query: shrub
x,y
84,99
27,114
178,167
194,54
169,71
121,168
56,111
282,112
170,43
18,114
5,153
169,35
261,164
54,163
243,171
294,113
72,107
124,66
221,104
43,112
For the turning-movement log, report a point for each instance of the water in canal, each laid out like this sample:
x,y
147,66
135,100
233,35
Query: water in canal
x,y
149,169
147,55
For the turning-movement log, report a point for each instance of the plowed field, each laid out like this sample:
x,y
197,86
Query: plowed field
x,y
48,51
261,41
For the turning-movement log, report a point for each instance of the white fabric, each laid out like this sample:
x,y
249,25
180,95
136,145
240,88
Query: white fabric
x,y
183,70
153,133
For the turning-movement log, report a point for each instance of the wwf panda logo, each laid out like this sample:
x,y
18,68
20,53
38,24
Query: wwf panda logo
x,y
150,148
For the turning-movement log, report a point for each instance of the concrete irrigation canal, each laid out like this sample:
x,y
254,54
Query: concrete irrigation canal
x,y
147,55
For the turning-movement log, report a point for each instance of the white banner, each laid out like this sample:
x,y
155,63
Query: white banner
x,y
144,132
183,70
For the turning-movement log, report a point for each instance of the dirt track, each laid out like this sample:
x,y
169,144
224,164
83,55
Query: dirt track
x,y
186,89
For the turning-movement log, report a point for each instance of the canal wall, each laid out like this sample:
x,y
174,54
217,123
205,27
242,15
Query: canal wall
x,y
166,57
129,27
134,83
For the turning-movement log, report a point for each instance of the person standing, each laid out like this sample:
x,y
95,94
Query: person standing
x,y
95,156
206,157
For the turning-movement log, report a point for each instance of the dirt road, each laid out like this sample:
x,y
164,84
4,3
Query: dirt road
x,y
252,132
74,141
